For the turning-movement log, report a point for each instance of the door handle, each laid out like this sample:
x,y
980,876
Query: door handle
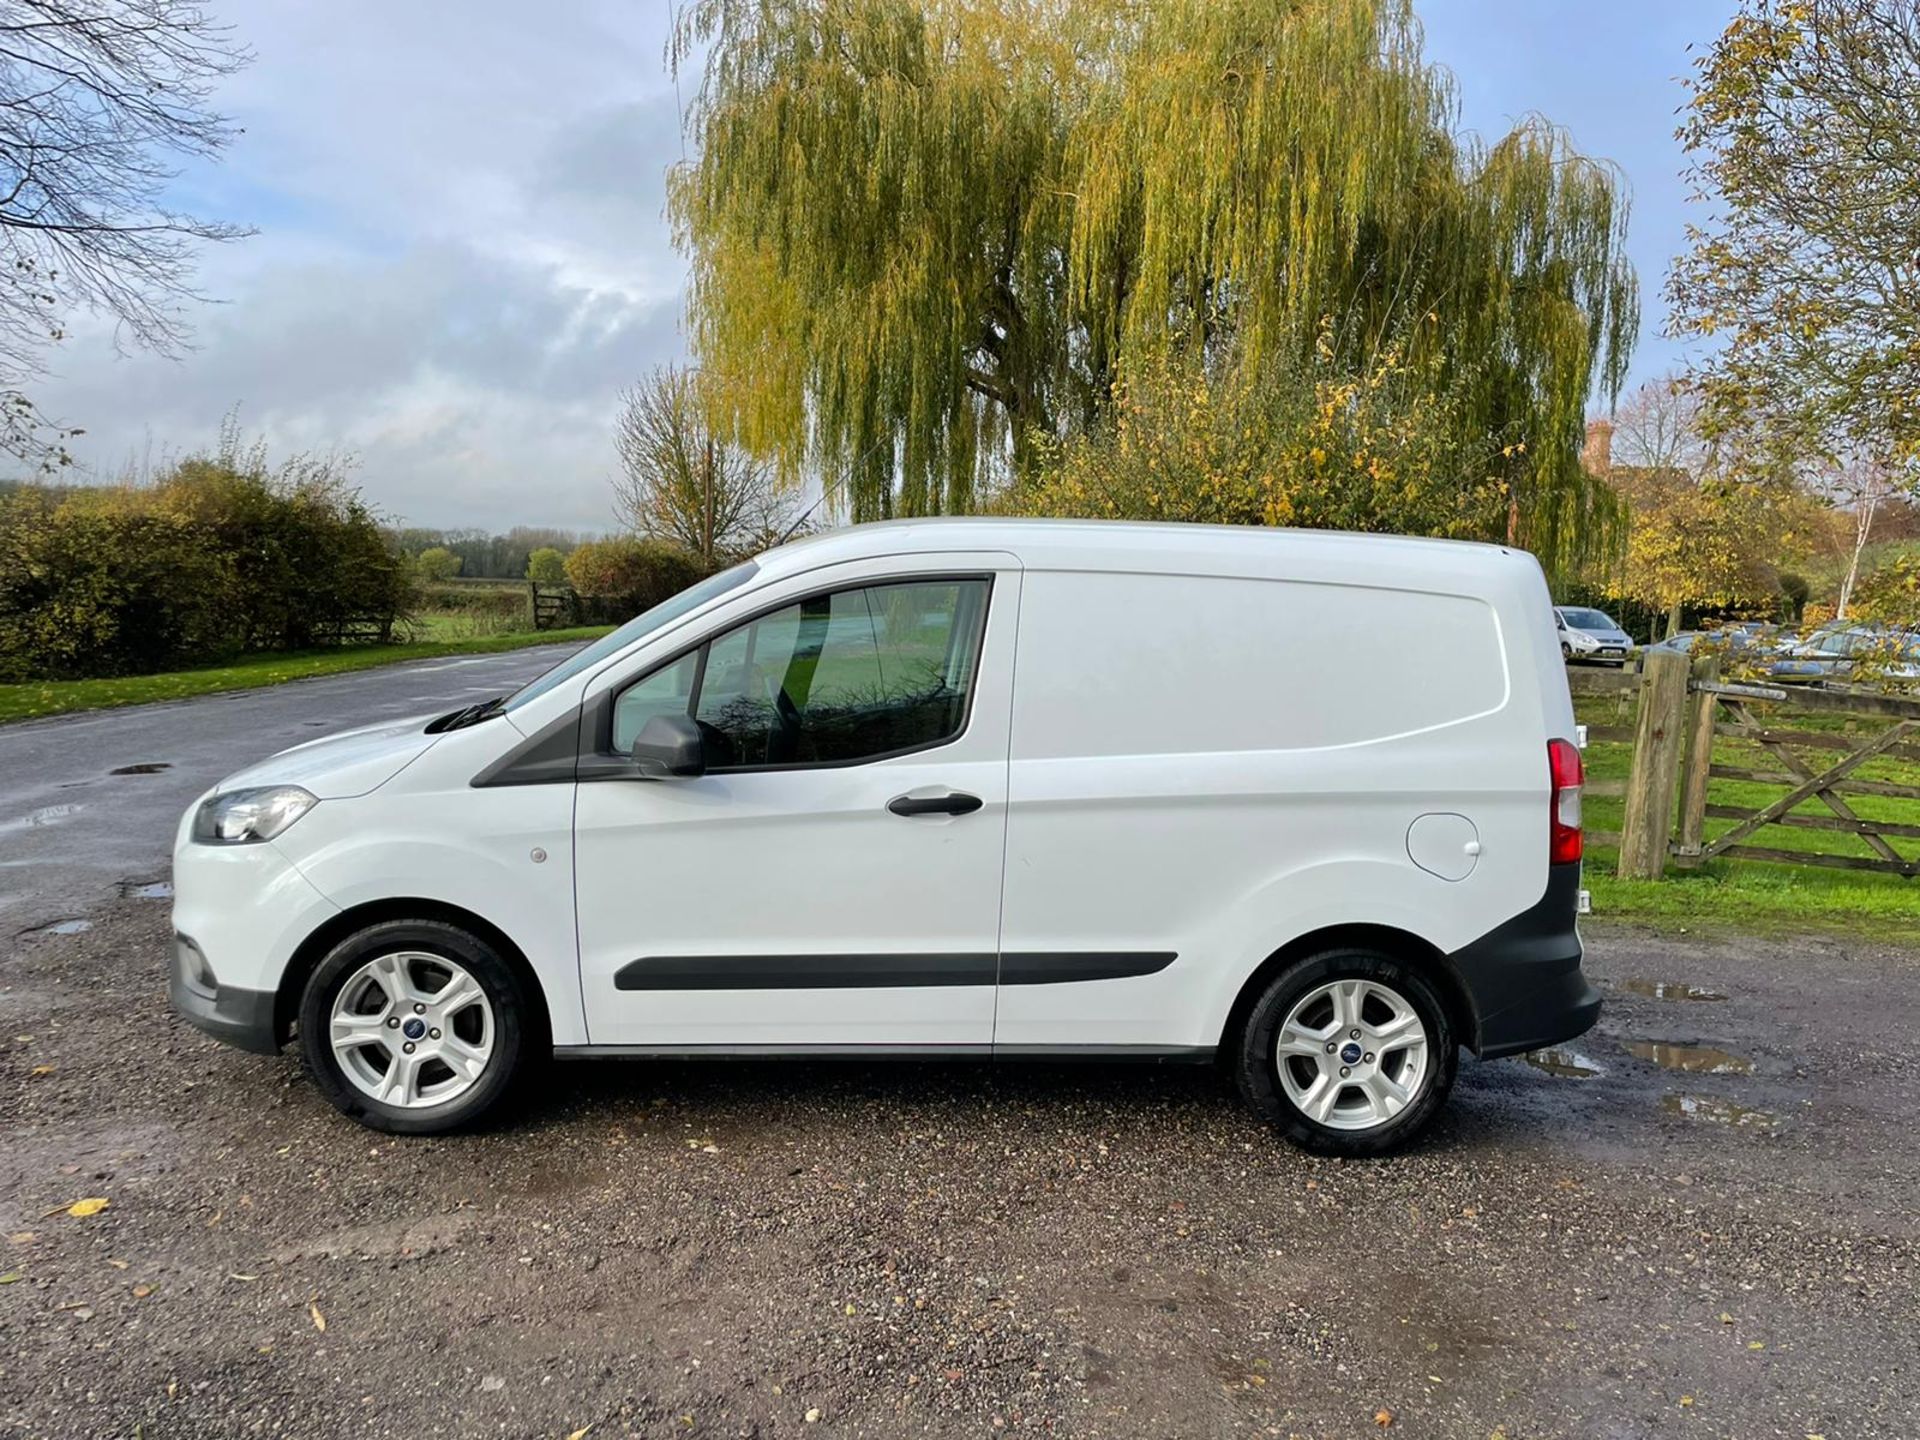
x,y
954,803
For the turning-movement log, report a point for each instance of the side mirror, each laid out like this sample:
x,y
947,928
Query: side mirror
x,y
669,745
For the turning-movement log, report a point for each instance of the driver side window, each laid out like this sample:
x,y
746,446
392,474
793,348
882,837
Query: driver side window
x,y
835,678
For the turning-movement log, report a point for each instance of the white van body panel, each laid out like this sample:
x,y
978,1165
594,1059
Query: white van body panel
x,y
802,863
423,837
1211,764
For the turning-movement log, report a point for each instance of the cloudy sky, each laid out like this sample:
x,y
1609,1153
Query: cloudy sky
x,y
462,255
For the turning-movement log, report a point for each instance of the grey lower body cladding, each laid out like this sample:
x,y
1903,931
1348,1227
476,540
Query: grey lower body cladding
x,y
1523,976
844,972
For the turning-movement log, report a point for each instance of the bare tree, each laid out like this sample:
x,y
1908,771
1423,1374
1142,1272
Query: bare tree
x,y
682,482
100,101
1860,489
1657,427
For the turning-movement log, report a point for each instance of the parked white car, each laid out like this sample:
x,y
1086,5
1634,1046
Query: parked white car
x,y
957,787
1587,634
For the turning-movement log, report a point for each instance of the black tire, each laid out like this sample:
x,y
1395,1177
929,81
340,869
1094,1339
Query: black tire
x,y
1256,1066
514,1017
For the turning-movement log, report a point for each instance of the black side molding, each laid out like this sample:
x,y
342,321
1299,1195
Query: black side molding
x,y
846,972
1041,967
802,972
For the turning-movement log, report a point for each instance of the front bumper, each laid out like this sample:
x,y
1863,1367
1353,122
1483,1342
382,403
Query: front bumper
x,y
240,1017
240,913
1524,976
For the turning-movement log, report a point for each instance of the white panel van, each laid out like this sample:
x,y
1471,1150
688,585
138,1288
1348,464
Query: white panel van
x,y
959,787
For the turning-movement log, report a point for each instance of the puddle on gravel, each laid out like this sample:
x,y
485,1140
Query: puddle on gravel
x,y
146,889
1694,1059
1719,1112
1566,1064
145,767
61,927
1670,990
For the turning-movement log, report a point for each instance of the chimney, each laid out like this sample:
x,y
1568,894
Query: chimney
x,y
1596,457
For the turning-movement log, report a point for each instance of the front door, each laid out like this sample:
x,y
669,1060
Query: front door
x,y
833,880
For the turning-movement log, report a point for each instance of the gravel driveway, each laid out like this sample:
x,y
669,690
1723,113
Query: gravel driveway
x,y
725,1249
1700,1223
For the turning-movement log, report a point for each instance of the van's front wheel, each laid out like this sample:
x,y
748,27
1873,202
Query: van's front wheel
x,y
413,1026
1348,1052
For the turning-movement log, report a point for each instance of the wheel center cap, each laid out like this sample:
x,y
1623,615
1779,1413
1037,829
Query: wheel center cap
x,y
416,1027
1350,1053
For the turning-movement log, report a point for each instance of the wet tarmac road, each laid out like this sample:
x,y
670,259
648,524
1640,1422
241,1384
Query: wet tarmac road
x,y
89,802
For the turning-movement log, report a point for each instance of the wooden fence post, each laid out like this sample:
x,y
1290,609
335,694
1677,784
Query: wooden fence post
x,y
1703,712
1648,825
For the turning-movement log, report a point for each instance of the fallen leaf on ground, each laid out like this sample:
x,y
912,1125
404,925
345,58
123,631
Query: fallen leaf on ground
x,y
118,1264
38,1071
236,1275
80,1209
580,1434
140,1292
1383,1418
22,1237
319,1320
10,1277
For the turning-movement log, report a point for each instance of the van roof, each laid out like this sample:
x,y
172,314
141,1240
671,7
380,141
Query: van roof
x,y
1165,547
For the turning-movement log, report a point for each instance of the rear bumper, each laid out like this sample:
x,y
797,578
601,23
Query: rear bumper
x,y
241,1017
1524,976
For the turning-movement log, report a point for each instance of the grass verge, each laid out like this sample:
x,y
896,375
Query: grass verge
x,y
36,699
1753,896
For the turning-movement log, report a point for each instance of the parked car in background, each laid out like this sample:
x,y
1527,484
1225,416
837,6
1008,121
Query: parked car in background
x,y
810,806
1591,635
1746,640
1844,651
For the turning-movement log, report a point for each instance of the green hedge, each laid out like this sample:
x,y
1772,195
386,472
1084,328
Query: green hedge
x,y
218,558
616,579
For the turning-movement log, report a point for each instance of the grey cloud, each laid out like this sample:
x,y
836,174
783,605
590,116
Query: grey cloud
x,y
462,257
474,390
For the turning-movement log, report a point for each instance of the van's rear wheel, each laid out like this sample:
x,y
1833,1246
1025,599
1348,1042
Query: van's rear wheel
x,y
1348,1052
413,1026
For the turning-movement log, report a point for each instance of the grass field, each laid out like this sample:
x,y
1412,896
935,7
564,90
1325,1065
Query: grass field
x,y
1757,894
36,699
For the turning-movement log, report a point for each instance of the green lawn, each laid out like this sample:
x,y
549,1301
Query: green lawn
x,y
1757,895
36,699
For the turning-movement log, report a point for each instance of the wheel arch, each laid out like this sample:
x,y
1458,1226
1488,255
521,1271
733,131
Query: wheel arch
x,y
311,951
1401,945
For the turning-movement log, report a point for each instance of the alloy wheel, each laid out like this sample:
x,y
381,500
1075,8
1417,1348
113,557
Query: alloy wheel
x,y
412,1029
1352,1054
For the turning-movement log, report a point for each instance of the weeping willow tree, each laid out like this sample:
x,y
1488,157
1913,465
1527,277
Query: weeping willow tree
x,y
931,239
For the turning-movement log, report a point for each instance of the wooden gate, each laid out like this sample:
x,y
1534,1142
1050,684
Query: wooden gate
x,y
1692,729
1814,764
553,605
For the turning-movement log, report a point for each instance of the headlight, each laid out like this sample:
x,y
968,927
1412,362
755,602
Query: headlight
x,y
243,817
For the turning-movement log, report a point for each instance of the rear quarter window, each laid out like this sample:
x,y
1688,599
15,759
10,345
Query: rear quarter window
x,y
1163,664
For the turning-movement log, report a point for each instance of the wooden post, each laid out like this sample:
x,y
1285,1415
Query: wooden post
x,y
1705,708
1648,824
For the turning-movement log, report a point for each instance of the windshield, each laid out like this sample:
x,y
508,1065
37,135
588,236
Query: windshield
x,y
1589,620
642,624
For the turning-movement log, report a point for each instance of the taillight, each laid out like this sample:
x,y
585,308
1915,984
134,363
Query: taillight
x,y
1563,765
